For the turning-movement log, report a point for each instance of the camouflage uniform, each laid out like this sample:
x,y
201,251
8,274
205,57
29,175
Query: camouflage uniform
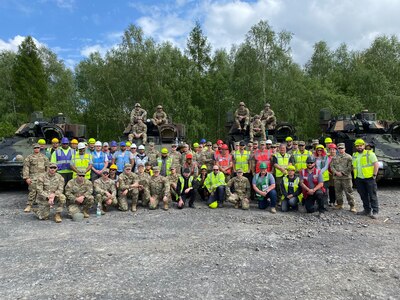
x,y
159,117
241,194
101,187
173,179
35,165
242,113
176,158
268,118
144,180
73,190
46,185
159,187
136,113
139,129
125,182
257,128
206,158
343,163
153,155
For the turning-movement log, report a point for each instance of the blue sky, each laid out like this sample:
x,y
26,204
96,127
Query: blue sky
x,y
74,28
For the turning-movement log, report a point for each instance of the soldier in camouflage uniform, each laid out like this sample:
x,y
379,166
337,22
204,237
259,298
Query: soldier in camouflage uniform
x,y
79,192
257,128
152,154
159,190
50,188
34,166
138,112
105,191
241,187
341,167
159,117
173,180
139,130
144,185
176,158
242,113
128,188
268,117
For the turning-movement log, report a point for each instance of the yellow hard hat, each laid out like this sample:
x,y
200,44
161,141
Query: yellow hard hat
x,y
164,151
91,141
128,144
114,167
320,147
213,204
196,145
328,140
359,142
291,168
55,140
289,139
203,167
41,142
74,141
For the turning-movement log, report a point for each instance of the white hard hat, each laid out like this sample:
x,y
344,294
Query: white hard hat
x,y
133,145
81,146
98,143
269,142
141,147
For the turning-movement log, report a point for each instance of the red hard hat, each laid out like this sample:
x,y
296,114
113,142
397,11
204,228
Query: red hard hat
x,y
219,142
224,147
189,155
332,146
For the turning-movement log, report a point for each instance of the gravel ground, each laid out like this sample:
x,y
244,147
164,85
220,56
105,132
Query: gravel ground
x,y
201,254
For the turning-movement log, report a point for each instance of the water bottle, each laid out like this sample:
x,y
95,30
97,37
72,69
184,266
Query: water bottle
x,y
98,210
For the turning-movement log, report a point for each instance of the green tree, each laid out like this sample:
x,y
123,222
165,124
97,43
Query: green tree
x,y
198,49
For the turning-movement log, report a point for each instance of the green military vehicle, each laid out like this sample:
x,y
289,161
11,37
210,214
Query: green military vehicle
x,y
382,136
13,150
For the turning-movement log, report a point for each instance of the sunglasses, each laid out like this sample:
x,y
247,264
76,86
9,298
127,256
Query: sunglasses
x,y
319,149
113,170
309,163
81,175
106,173
128,169
53,167
215,169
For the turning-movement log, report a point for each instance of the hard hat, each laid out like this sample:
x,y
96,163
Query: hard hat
x,y
128,144
55,140
164,151
91,141
133,146
113,144
98,143
41,142
105,144
291,168
122,144
359,142
320,147
189,155
141,147
263,165
203,167
196,145
310,160
332,146
213,204
268,142
328,140
64,140
219,142
289,139
203,141
113,167
224,147
74,141
81,146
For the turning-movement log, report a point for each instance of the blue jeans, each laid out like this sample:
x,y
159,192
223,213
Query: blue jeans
x,y
263,202
218,195
287,203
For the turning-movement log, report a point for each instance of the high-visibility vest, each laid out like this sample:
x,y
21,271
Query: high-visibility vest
x,y
283,161
296,183
325,160
242,160
99,161
300,159
168,163
263,156
262,183
304,174
224,161
182,181
367,167
122,159
82,163
62,157
213,181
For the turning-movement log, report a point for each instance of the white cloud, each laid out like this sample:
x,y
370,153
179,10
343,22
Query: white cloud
x,y
12,44
87,50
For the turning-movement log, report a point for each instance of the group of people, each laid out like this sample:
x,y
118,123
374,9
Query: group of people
x,y
286,176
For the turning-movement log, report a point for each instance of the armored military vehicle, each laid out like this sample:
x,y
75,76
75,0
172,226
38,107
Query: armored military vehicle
x,y
13,150
278,134
382,136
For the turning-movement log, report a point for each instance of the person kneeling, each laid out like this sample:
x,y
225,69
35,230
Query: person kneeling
x,y
291,190
264,186
241,190
185,190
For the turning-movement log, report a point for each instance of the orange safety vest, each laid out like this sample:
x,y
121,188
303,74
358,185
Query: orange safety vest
x,y
263,156
224,161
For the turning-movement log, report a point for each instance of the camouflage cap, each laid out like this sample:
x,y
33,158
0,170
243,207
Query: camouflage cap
x,y
241,104
35,145
315,141
256,117
137,105
255,143
239,170
80,173
52,164
341,146
263,142
106,171
302,143
295,142
172,168
159,106
151,144
156,169
128,166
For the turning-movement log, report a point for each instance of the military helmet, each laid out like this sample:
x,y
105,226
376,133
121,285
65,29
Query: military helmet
x,y
256,117
267,105
77,217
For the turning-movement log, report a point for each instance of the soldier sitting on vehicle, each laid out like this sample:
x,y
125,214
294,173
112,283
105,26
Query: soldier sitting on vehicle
x,y
159,117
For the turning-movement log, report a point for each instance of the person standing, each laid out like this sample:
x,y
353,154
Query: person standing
x,y
366,167
281,161
100,162
62,157
121,157
341,167
81,161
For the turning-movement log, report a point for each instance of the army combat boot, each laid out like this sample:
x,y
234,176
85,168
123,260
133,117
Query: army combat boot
x,y
353,209
339,206
28,208
85,213
134,207
57,218
166,207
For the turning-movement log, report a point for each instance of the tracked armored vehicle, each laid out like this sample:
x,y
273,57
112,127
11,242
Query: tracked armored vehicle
x,y
13,150
382,136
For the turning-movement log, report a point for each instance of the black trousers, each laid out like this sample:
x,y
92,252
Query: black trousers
x,y
318,197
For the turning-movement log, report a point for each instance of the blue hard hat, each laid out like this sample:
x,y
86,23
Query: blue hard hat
x,y
64,140
113,144
203,141
122,144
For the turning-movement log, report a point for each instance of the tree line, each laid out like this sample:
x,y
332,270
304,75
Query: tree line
x,y
198,86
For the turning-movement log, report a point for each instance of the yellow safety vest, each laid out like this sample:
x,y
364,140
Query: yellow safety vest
x,y
212,181
182,181
300,159
168,164
295,187
82,163
242,160
367,165
283,162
